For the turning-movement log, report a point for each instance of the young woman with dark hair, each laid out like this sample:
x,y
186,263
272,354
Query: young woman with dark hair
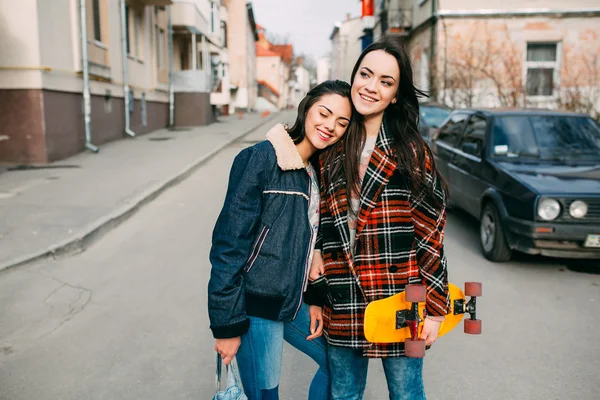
x,y
263,244
383,211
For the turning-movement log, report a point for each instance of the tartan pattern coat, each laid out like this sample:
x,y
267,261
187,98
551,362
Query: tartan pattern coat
x,y
399,240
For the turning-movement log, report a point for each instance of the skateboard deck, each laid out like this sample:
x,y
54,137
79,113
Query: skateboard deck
x,y
385,319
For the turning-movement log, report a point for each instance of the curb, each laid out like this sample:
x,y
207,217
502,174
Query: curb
x,y
103,225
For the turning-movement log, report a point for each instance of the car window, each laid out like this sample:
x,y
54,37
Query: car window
x,y
546,137
566,134
513,136
452,130
475,134
433,117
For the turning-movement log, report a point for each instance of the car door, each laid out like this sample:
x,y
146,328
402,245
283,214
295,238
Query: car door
x,y
444,146
468,166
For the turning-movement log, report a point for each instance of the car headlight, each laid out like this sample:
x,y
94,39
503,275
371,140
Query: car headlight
x,y
548,209
578,209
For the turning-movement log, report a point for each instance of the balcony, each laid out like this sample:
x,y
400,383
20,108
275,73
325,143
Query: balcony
x,y
397,21
192,81
186,15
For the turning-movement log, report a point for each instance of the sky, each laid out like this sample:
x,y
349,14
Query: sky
x,y
308,23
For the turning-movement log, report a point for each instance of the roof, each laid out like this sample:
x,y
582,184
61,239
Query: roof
x,y
268,86
261,51
286,51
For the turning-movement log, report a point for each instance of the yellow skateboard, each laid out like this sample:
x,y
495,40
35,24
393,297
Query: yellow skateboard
x,y
399,318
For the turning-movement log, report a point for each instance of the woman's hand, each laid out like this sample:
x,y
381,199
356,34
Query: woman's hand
x,y
431,329
317,267
316,322
228,348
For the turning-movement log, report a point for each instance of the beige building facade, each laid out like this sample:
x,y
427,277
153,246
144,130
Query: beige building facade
x,y
346,46
469,53
43,106
241,38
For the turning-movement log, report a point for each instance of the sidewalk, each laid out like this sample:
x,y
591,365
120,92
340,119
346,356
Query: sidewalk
x,y
60,208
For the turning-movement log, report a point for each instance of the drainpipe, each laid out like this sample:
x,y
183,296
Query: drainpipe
x,y
125,69
432,60
87,106
171,93
205,63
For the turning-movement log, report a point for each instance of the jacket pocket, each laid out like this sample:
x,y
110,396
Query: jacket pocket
x,y
258,243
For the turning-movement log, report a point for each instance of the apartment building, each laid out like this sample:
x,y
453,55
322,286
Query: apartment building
x,y
346,46
58,97
241,38
201,66
323,69
512,53
273,69
300,84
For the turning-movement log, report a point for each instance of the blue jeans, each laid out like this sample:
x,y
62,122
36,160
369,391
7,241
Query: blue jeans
x,y
349,368
259,356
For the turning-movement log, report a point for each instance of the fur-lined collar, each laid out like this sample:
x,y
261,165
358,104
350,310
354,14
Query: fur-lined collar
x,y
285,149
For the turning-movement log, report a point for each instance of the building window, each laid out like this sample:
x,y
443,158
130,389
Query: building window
x,y
128,38
213,16
224,33
542,66
97,25
136,33
133,26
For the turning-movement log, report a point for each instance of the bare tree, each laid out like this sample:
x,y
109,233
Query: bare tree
x,y
483,61
579,89
276,38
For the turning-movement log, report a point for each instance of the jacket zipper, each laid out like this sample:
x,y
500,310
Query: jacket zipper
x,y
257,247
306,266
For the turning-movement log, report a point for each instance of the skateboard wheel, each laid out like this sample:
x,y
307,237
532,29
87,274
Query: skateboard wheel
x,y
473,289
414,348
416,293
473,326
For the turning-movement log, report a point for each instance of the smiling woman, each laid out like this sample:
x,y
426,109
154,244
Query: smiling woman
x,y
382,228
263,245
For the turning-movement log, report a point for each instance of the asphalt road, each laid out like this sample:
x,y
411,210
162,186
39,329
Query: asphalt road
x,y
127,318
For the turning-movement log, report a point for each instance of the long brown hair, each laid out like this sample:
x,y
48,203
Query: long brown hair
x,y
297,131
401,120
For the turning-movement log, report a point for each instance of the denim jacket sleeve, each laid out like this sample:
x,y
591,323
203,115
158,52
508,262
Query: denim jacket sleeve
x,y
233,235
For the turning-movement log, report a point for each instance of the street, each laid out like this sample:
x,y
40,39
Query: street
x,y
127,318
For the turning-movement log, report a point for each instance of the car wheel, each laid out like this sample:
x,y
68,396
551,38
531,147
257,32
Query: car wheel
x,y
491,235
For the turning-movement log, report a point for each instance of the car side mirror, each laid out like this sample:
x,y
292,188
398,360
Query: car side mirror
x,y
471,148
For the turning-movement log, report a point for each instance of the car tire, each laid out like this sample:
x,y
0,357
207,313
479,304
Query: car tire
x,y
491,235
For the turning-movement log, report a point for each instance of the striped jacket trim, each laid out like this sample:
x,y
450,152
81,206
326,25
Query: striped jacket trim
x,y
287,192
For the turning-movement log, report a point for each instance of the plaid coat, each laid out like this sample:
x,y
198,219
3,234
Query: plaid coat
x,y
399,240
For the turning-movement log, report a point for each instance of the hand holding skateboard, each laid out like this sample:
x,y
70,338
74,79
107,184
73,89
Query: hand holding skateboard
x,y
400,318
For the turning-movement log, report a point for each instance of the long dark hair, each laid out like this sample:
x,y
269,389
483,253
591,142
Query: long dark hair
x,y
297,131
401,120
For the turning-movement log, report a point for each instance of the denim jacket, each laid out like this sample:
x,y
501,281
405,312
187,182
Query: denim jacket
x,y
261,240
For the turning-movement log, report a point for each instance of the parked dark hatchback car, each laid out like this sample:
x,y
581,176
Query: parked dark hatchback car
x,y
433,115
531,178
